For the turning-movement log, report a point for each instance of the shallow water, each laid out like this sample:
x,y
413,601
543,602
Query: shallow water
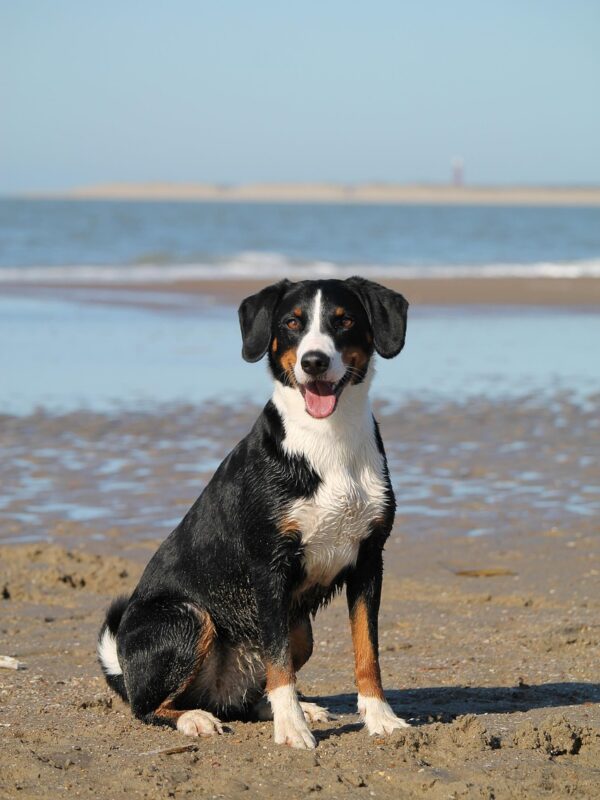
x,y
64,355
456,468
490,416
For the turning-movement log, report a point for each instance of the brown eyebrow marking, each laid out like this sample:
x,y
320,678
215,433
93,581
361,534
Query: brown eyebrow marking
x,y
297,312
340,312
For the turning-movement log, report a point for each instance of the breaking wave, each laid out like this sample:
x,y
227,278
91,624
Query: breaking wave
x,y
259,265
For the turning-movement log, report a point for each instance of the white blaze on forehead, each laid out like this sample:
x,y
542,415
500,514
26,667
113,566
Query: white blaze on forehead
x,y
316,339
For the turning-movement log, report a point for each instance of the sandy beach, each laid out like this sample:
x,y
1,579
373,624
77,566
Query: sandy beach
x,y
427,291
372,193
160,165
489,623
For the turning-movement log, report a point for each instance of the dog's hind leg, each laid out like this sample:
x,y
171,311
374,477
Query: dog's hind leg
x,y
301,647
301,643
162,646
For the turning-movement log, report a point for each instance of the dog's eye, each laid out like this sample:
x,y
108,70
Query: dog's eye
x,y
293,324
346,322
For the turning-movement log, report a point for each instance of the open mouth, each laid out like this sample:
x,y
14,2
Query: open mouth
x,y
321,397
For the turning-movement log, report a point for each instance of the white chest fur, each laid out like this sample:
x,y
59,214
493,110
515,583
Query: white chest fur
x,y
342,450
339,516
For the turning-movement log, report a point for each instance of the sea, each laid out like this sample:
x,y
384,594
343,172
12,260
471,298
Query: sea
x,y
109,241
108,347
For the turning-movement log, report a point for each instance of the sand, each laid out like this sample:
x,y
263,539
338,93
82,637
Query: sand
x,y
489,621
375,192
436,291
440,291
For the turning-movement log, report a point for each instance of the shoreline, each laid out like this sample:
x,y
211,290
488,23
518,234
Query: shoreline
x,y
440,291
563,292
360,193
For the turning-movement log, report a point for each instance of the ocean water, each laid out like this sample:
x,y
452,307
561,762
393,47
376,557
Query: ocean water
x,y
106,348
63,355
102,241
497,382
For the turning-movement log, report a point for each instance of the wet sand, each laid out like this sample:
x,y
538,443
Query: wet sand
x,y
440,291
434,291
489,622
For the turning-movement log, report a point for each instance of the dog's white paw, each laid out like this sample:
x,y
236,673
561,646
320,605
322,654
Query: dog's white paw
x,y
199,723
293,732
288,719
378,717
314,713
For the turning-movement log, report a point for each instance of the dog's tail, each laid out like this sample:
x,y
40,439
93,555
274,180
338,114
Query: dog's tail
x,y
107,647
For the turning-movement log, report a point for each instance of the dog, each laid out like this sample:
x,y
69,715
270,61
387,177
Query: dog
x,y
220,622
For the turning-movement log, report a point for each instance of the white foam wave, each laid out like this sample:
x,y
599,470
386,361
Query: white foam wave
x,y
251,265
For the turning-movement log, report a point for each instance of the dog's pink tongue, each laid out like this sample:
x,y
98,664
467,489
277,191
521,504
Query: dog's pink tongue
x,y
319,399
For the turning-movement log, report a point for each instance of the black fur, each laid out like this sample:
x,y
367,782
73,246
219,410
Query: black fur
x,y
255,315
387,311
229,563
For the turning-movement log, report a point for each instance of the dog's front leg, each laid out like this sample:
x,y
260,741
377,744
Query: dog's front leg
x,y
290,726
363,592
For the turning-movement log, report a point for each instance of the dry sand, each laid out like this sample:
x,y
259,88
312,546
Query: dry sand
x,y
489,643
337,193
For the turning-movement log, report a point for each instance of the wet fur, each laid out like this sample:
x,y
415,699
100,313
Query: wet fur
x,y
299,509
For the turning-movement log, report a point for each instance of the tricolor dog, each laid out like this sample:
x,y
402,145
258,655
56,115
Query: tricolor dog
x,y
220,622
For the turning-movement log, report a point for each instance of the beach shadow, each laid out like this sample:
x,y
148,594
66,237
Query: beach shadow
x,y
445,703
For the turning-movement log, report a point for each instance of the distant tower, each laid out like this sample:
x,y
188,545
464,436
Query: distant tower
x,y
458,171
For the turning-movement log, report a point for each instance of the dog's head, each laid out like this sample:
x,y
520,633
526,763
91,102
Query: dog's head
x,y
320,335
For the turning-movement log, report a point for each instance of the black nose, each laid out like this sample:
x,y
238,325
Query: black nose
x,y
314,362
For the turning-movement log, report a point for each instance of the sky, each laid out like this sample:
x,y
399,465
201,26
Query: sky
x,y
237,92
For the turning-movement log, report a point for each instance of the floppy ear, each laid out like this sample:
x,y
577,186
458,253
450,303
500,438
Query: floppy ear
x,y
386,311
256,317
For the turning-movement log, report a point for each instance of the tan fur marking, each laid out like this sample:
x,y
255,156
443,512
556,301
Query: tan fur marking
x,y
278,676
369,338
289,527
340,312
288,362
289,358
166,711
205,640
355,357
366,662
300,645
297,312
274,345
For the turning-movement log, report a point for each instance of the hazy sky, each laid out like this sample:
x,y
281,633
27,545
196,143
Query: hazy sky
x,y
230,91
